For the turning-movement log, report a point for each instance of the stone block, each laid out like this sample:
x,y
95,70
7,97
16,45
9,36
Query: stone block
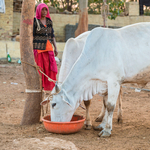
x,y
94,20
132,8
133,20
111,22
126,21
146,18
120,21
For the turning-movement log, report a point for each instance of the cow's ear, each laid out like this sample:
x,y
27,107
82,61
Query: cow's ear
x,y
66,99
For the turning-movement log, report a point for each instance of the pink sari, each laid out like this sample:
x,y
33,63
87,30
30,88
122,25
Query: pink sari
x,y
46,61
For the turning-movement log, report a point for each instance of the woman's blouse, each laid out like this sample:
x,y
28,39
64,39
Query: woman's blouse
x,y
41,37
48,47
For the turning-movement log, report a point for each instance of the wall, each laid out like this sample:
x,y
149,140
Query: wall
x,y
10,20
59,23
61,20
6,21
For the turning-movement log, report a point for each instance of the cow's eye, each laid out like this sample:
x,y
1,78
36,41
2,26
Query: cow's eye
x,y
53,105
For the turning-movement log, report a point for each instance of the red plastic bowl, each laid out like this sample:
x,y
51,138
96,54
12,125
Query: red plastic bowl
x,y
73,126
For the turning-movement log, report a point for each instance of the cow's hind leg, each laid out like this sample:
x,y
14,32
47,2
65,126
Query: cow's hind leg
x,y
120,120
101,115
88,124
104,118
113,92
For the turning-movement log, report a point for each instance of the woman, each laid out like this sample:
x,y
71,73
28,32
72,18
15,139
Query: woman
x,y
43,38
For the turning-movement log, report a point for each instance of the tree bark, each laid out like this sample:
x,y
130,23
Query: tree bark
x,y
83,17
32,109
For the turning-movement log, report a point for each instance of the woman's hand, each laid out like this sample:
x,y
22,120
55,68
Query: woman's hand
x,y
55,48
55,52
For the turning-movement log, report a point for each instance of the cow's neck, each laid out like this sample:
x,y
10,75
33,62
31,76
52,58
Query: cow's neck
x,y
75,83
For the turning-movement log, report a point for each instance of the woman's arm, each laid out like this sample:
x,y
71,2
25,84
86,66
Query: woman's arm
x,y
54,42
55,47
34,28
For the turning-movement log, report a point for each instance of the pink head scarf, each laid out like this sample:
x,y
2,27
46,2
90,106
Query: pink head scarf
x,y
39,9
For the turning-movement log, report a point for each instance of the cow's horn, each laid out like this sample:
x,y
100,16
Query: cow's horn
x,y
57,88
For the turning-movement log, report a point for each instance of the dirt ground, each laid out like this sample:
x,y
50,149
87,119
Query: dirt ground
x,y
132,134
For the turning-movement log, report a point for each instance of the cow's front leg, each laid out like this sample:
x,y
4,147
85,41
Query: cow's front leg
x,y
113,92
104,114
87,123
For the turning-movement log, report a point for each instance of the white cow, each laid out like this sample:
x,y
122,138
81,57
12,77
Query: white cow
x,y
72,51
110,57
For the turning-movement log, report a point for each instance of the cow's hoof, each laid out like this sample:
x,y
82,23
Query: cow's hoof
x,y
99,128
87,127
99,119
104,134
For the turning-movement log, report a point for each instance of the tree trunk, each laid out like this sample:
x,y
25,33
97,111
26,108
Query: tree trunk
x,y
32,109
83,17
